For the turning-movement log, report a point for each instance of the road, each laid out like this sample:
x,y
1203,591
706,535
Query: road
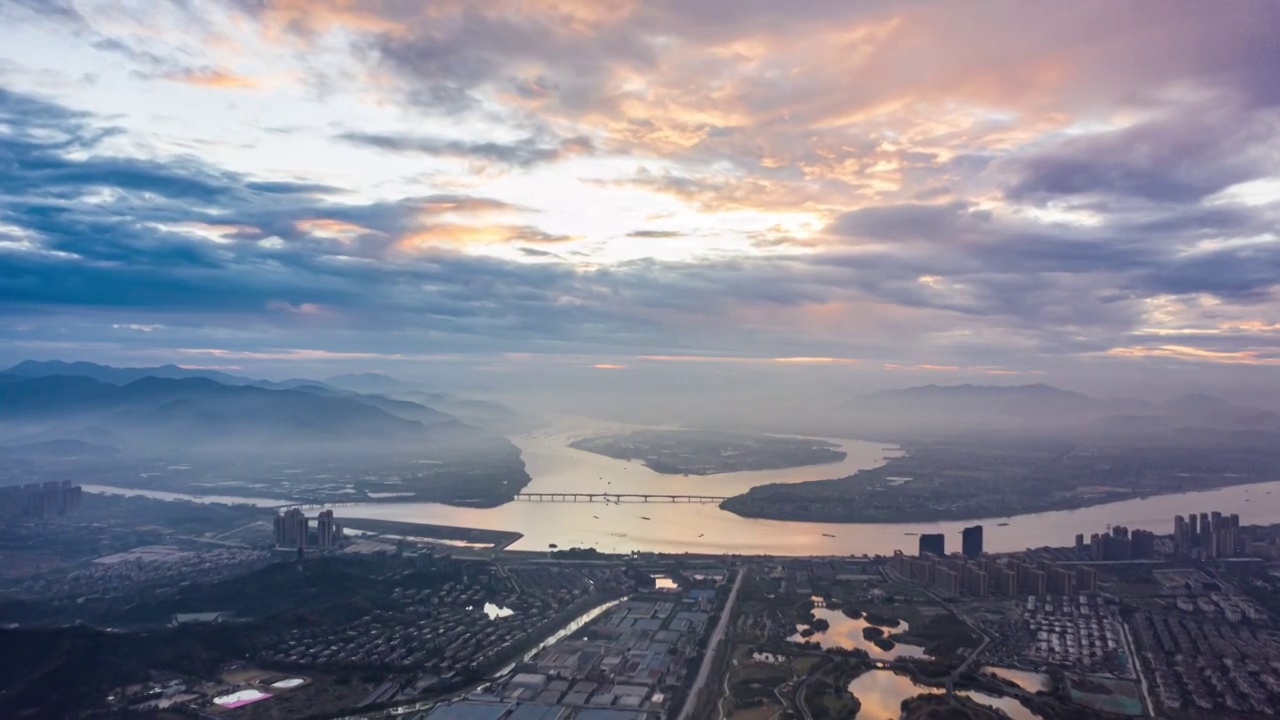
x,y
890,574
713,647
1135,664
804,688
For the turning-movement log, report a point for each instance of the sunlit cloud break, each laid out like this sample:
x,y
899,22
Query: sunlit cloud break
x,y
983,189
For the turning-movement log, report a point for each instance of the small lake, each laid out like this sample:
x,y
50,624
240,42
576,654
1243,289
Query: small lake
x,y
1025,679
493,612
846,633
882,692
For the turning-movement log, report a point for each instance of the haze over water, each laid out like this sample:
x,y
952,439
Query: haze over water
x,y
705,528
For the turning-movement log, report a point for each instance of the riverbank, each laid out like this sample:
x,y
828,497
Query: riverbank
x,y
965,482
443,534
705,452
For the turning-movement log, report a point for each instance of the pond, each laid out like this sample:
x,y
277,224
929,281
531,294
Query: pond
x,y
493,612
1025,679
881,693
847,633
662,582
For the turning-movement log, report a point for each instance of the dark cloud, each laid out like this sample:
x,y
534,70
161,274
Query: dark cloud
x,y
654,234
1005,279
975,206
1192,153
292,188
522,153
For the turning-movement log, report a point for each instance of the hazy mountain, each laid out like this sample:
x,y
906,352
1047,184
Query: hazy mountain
x,y
124,376
1040,408
371,383
399,398
118,375
193,415
59,448
488,414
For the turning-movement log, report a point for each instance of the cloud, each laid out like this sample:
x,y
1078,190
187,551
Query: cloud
x,y
212,78
1179,158
526,152
993,181
654,234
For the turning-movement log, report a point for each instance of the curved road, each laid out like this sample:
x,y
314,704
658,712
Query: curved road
x,y
713,646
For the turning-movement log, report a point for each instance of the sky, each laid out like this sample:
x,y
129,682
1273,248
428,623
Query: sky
x,y
890,192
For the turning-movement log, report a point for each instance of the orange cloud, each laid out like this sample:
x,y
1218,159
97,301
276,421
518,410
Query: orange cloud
x,y
329,227
461,236
1186,352
609,366
816,360
284,354
214,79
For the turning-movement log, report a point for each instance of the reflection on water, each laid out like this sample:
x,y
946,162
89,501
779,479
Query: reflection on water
x,y
882,692
1025,679
699,528
662,582
846,632
162,495
497,611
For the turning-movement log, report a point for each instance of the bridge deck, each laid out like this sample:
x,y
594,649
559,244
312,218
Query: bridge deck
x,y
616,497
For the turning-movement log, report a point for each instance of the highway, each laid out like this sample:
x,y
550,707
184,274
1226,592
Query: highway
x,y
713,647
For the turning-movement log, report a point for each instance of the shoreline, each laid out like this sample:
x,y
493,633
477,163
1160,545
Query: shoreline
x,y
761,503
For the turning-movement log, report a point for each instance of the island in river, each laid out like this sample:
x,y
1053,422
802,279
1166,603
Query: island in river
x,y
705,452
970,479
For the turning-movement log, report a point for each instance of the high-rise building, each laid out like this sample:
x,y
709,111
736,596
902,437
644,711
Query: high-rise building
x,y
292,528
328,531
1061,581
1142,545
1004,582
1037,583
945,582
1181,536
974,580
36,501
971,541
933,544
1080,543
1086,579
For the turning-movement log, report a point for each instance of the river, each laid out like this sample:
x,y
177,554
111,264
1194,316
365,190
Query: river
x,y
699,528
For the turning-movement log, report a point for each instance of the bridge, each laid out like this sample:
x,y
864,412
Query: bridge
x,y
617,498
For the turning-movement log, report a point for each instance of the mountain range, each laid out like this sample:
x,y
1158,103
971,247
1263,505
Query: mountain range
x,y
177,411
1040,408
376,389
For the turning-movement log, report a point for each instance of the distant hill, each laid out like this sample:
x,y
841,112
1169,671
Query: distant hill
x,y
488,414
124,376
194,415
371,383
60,449
1040,408
396,397
117,375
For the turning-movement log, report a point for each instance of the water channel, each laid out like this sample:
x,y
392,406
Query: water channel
x,y
698,528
